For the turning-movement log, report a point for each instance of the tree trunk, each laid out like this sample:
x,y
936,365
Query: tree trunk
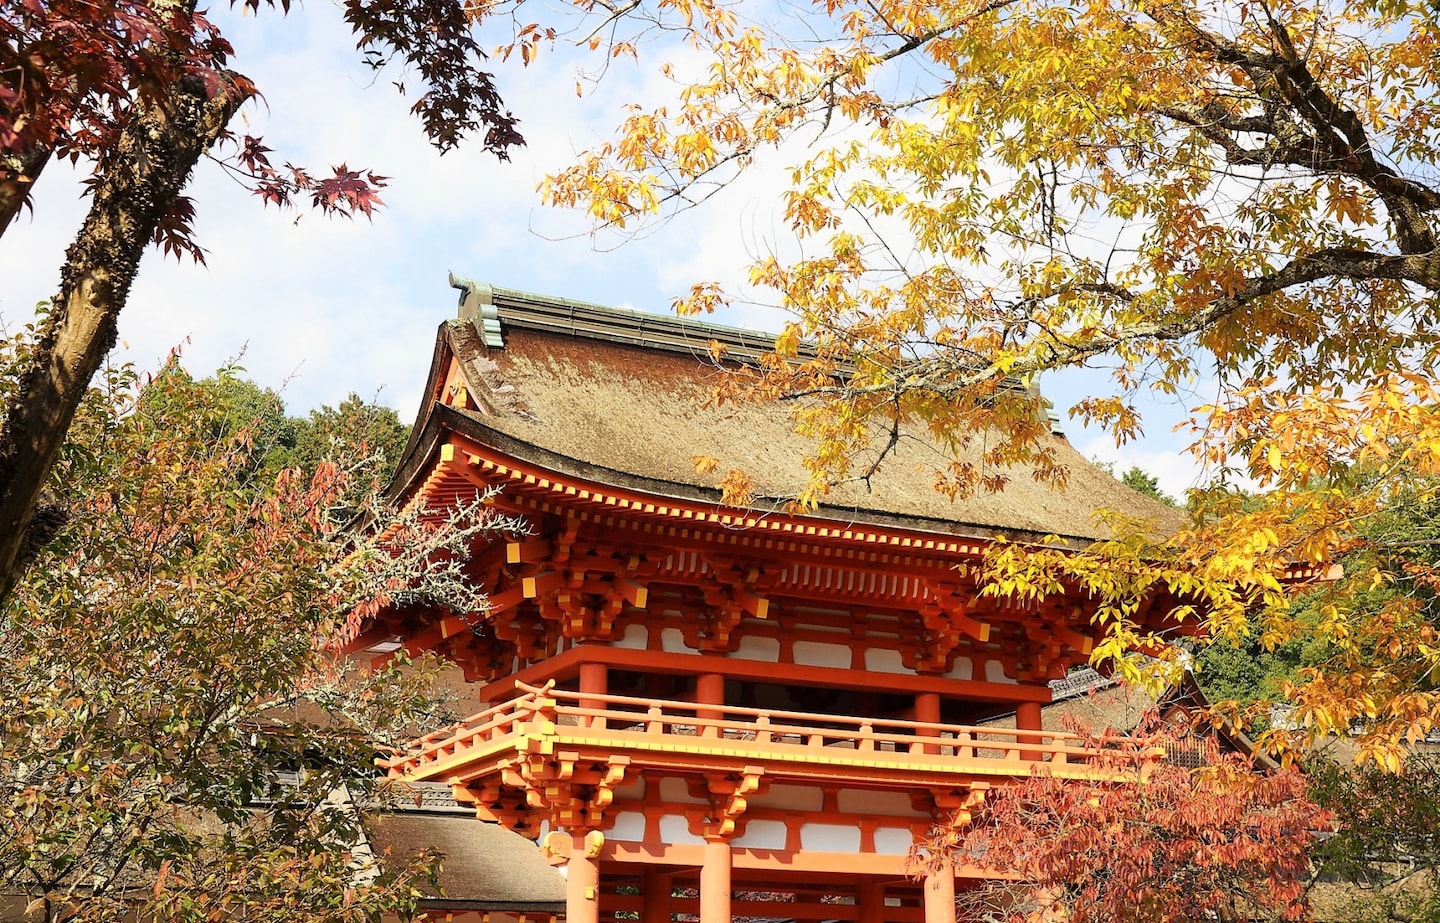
x,y
18,173
138,181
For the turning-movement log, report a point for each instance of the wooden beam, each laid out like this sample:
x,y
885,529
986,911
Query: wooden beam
x,y
528,588
565,666
530,552
1082,643
635,594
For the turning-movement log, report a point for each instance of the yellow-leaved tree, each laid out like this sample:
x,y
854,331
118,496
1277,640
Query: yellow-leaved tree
x,y
1242,192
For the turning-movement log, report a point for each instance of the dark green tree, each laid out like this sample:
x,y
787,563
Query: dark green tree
x,y
1138,479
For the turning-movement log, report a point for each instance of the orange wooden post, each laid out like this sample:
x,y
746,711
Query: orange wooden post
x,y
709,690
715,881
940,896
594,680
582,885
654,895
1027,718
870,896
927,708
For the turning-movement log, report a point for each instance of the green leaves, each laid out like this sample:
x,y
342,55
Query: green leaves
x,y
178,742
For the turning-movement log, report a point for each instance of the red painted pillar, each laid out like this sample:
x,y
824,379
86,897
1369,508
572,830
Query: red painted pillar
x,y
582,885
927,708
654,895
709,690
1027,718
594,680
940,896
870,896
715,882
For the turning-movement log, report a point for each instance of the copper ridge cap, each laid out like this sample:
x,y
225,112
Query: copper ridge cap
x,y
493,308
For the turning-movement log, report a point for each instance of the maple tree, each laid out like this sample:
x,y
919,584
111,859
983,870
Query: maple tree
x,y
1222,842
178,740
141,90
1235,199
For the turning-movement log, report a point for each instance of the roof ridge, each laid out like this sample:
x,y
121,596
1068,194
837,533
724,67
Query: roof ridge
x,y
493,307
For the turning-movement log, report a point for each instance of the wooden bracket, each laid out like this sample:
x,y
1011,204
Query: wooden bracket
x,y
571,793
728,794
956,808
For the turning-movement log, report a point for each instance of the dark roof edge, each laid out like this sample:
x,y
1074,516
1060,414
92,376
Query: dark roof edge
x,y
445,417
446,903
492,309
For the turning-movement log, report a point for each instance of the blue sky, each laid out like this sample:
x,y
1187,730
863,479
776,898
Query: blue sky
x,y
322,307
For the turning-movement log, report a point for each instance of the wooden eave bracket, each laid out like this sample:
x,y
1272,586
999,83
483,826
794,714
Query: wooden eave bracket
x,y
947,598
729,797
956,809
1074,639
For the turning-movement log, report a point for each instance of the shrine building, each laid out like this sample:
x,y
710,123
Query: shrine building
x,y
697,710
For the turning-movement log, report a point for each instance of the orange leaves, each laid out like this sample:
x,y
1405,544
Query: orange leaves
x,y
737,488
1180,845
527,41
704,298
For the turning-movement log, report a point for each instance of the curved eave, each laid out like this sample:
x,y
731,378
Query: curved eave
x,y
642,494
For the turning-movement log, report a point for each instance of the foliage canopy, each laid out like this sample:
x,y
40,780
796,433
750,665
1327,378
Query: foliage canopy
x,y
1234,199
1223,842
178,742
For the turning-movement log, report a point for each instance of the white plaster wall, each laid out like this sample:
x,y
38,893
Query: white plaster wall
x,y
788,798
673,790
762,834
633,790
893,841
629,825
964,668
675,829
876,804
636,638
883,660
818,654
830,837
673,641
995,672
753,647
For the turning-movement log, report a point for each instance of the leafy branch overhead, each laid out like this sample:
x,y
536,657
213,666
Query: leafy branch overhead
x,y
1232,206
140,91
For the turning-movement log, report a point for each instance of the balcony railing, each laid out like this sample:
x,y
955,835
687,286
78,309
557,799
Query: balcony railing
x,y
542,718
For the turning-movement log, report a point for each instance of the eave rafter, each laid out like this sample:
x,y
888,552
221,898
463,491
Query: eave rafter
x,y
603,552
488,468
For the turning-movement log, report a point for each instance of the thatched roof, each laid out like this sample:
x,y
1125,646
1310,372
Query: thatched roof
x,y
619,397
484,866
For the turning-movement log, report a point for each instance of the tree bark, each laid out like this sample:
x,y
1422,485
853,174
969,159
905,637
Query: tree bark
x,y
18,173
138,181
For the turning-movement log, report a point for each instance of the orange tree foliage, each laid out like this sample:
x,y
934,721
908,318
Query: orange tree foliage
x,y
175,733
1232,199
1219,843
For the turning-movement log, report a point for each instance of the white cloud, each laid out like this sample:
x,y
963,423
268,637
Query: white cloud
x,y
353,305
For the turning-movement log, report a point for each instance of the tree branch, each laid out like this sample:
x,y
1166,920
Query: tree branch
x,y
152,161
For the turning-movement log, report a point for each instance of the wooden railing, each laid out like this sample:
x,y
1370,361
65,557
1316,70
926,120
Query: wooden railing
x,y
540,711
